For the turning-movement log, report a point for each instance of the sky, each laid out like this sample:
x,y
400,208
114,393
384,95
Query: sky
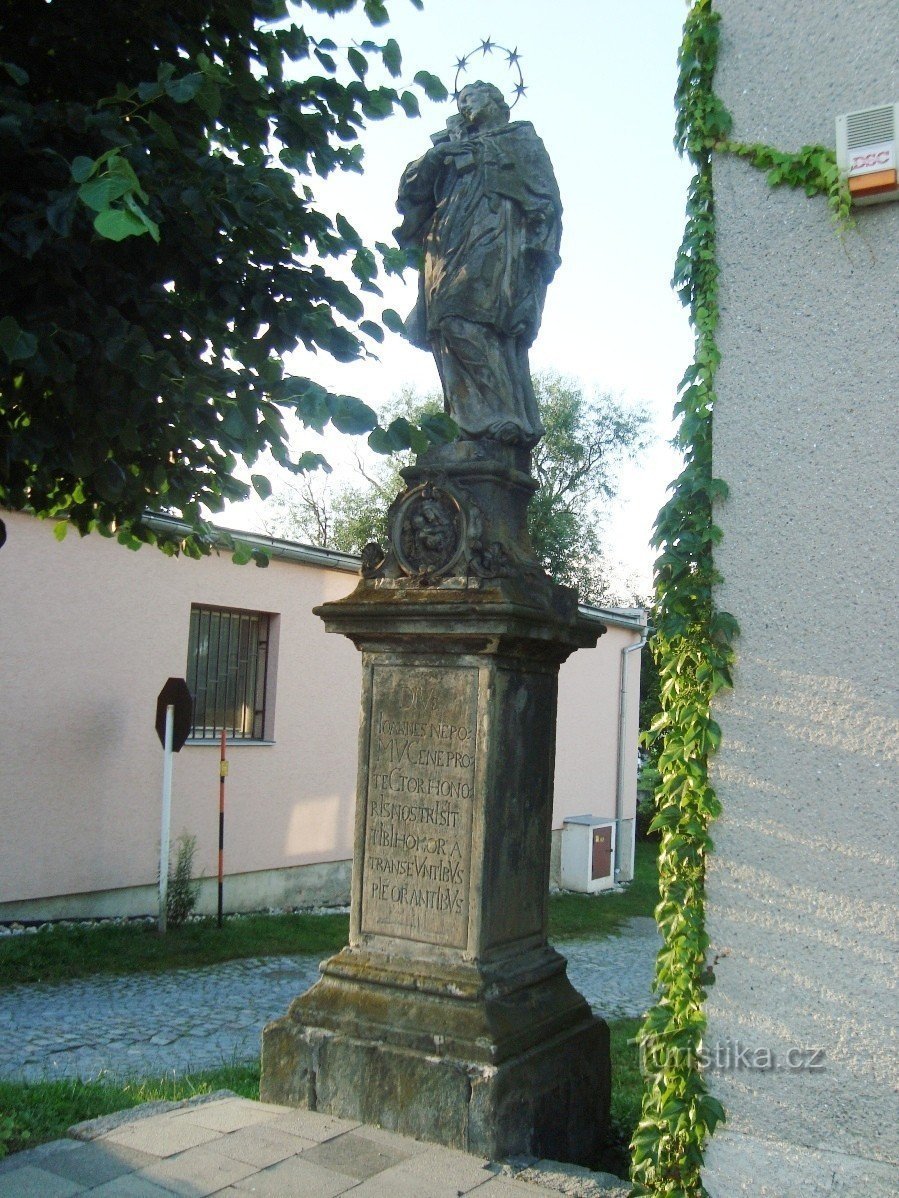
x,y
599,77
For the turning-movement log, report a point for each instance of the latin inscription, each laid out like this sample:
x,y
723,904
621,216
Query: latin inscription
x,y
421,785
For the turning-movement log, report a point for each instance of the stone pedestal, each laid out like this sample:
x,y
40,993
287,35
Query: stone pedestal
x,y
449,1017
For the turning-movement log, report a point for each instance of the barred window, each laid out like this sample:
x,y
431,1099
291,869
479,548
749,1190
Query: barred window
x,y
227,668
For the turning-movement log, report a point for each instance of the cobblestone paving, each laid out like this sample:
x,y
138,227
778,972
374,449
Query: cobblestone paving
x,y
200,1018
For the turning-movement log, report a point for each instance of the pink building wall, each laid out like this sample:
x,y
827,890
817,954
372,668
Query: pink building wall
x,y
90,632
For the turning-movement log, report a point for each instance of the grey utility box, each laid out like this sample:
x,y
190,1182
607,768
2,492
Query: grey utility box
x,y
588,853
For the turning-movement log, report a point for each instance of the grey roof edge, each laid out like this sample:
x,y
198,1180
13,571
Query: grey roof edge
x,y
277,547
633,618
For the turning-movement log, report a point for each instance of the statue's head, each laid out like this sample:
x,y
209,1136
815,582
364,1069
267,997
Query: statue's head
x,y
482,106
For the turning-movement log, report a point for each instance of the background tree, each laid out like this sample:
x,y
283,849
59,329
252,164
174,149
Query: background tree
x,y
161,249
576,465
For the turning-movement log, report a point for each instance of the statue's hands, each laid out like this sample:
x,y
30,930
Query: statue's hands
x,y
460,154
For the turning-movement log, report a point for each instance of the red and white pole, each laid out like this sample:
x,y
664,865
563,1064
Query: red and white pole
x,y
223,773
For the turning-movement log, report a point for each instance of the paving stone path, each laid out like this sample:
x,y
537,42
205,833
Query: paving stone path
x,y
200,1018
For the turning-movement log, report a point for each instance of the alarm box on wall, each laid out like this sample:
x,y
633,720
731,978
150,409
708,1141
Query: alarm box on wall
x,y
588,854
866,152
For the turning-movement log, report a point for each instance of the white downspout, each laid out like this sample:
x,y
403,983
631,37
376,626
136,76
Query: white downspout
x,y
619,772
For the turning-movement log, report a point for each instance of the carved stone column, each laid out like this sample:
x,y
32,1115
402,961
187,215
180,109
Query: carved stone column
x,y
449,1017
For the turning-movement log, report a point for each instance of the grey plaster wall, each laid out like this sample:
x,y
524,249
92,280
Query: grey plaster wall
x,y
323,883
802,910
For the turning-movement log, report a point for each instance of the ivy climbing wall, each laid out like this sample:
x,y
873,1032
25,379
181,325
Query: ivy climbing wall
x,y
801,885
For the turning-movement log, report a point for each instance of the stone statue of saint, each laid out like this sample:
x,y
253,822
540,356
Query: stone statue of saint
x,y
483,206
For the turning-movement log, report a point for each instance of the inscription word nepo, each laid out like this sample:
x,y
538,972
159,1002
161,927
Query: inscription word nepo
x,y
418,815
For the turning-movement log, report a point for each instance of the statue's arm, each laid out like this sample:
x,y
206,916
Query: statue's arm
x,y
416,201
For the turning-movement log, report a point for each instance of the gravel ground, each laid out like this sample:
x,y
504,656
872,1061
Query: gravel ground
x,y
191,1019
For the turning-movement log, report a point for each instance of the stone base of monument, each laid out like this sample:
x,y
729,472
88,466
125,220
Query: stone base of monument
x,y
549,1100
448,1016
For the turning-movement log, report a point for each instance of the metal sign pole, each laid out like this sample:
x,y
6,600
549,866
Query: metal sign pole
x,y
166,815
223,773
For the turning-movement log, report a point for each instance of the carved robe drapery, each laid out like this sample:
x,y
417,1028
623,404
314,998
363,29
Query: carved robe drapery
x,y
486,212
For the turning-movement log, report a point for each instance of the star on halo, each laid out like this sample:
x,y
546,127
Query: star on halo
x,y
513,61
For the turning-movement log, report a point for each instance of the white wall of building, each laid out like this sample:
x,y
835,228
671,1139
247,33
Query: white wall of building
x,y
89,635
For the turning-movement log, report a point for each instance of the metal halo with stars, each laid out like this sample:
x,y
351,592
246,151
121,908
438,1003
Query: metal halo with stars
x,y
513,59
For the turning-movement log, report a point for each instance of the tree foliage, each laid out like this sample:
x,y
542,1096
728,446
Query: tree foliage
x,y
575,464
161,249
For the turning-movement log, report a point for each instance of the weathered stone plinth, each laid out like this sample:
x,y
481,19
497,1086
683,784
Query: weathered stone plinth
x,y
448,1016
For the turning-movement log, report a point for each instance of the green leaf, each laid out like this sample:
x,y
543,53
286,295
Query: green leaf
x,y
100,193
261,558
350,415
439,428
261,485
393,59
371,330
60,528
15,342
409,104
109,480
347,232
309,461
118,223
15,73
163,131
430,85
357,61
209,97
186,88
393,321
376,12
146,92
135,208
82,169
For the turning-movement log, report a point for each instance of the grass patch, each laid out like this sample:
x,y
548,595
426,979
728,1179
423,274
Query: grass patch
x,y
597,915
627,1095
63,952
32,1113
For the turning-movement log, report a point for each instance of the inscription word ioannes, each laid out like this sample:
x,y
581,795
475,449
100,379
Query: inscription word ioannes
x,y
419,803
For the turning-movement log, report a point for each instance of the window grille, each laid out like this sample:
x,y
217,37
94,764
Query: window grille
x,y
227,659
